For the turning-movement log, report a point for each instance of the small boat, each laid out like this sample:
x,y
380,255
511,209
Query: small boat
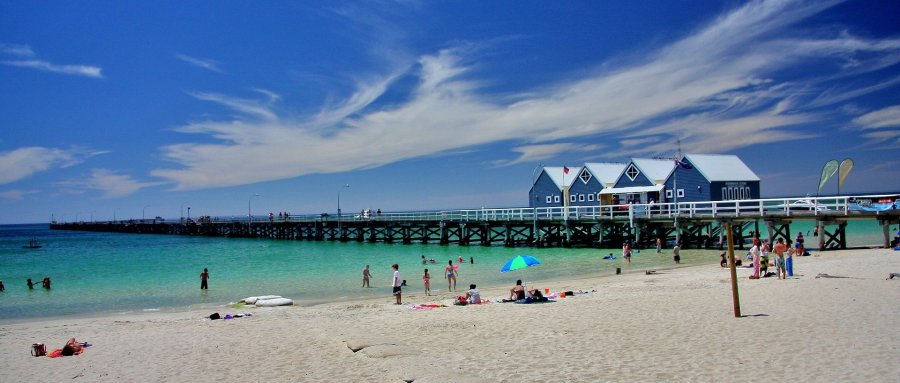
x,y
33,244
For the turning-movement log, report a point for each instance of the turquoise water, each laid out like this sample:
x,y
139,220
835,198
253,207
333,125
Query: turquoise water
x,y
120,273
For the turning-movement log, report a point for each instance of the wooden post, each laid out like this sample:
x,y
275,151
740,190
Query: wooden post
x,y
887,234
821,226
734,283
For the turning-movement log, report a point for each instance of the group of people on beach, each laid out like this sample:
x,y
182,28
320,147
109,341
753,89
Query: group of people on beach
x,y
450,273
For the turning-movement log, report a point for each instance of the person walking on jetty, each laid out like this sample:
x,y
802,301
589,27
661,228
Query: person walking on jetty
x,y
204,277
397,282
366,276
450,274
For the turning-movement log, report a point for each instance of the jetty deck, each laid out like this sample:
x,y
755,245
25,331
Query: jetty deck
x,y
694,224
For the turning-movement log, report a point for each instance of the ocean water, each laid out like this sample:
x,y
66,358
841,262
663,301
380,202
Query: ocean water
x,y
103,273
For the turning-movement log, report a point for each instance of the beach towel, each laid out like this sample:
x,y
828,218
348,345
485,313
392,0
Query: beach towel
x,y
58,353
530,300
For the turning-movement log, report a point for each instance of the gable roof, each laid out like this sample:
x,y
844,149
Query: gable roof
x,y
557,175
722,167
656,170
607,173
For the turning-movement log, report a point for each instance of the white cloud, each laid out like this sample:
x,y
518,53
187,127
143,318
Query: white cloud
x,y
111,184
532,153
16,49
884,118
23,162
17,194
80,70
205,64
715,88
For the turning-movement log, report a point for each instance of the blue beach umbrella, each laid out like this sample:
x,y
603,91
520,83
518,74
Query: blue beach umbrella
x,y
521,262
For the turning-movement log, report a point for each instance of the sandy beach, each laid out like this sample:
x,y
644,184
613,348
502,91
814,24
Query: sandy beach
x,y
674,325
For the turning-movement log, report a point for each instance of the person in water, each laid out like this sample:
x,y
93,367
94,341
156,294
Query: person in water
x,y
30,284
450,274
423,259
366,276
2,288
518,291
46,283
204,276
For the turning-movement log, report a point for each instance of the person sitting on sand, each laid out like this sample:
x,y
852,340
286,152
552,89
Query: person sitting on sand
x,y
517,292
473,296
723,262
535,293
72,347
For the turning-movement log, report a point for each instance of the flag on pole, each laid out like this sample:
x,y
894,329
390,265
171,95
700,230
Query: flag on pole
x,y
845,167
683,164
565,170
827,172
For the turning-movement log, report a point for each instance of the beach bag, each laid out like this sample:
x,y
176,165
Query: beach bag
x,y
38,349
215,316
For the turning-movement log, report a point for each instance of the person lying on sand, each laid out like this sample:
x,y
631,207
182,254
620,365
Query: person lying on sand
x,y
72,347
892,275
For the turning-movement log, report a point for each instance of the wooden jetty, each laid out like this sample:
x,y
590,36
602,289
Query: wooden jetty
x,y
694,224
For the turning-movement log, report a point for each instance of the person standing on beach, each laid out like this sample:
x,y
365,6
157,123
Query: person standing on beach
x,y
626,252
204,276
789,260
676,250
450,274
366,276
397,281
658,245
427,279
754,251
779,250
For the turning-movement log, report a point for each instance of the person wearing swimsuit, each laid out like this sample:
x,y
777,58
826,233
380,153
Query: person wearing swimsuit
x,y
366,276
517,292
427,279
451,275
204,277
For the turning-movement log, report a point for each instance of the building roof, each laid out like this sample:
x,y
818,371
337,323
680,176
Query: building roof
x,y
557,175
722,167
632,189
655,169
607,173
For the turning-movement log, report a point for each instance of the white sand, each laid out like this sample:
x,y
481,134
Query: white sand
x,y
677,325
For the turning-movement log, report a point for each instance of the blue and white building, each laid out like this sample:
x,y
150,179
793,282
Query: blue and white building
x,y
703,177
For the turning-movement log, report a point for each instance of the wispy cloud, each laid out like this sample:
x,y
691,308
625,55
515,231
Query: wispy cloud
x,y
24,162
16,49
111,184
716,88
884,118
532,153
17,194
79,70
203,63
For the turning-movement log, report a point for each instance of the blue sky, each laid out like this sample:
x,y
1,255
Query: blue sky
x,y
117,108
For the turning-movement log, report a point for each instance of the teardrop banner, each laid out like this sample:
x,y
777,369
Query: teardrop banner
x,y
845,167
827,172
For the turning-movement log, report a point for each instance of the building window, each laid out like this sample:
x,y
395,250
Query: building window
x,y
585,176
669,194
581,198
632,172
724,195
572,198
680,193
591,197
556,198
747,190
549,199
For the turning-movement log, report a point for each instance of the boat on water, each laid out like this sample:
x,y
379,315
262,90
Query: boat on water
x,y
33,244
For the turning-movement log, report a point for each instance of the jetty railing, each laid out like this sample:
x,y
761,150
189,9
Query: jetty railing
x,y
780,207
